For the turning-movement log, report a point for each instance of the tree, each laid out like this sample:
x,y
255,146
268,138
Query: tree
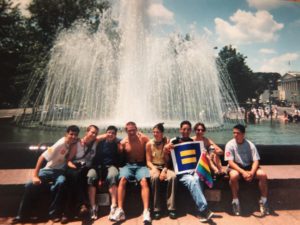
x,y
11,48
265,81
53,15
25,42
241,75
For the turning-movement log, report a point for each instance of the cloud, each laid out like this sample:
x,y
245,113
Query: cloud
x,y
247,28
207,31
266,4
160,13
280,63
267,51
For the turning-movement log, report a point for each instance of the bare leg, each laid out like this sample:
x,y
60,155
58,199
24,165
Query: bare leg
x,y
113,190
121,192
92,195
218,163
262,182
234,183
145,192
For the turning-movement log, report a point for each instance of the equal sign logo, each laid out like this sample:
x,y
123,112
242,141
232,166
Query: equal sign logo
x,y
185,156
188,156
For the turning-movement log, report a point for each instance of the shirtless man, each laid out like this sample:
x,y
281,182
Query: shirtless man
x,y
134,146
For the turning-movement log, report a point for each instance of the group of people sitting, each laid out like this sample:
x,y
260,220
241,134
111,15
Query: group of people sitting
x,y
76,167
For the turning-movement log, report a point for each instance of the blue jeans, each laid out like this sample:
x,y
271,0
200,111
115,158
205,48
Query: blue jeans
x,y
195,187
53,179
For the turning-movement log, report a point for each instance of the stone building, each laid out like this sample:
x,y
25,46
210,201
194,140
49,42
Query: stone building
x,y
289,87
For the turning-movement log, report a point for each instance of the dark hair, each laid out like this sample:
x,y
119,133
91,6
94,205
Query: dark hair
x,y
185,122
199,124
130,123
90,126
73,128
240,127
111,127
160,127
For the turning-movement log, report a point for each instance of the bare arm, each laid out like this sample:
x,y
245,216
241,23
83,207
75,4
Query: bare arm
x,y
101,137
254,168
218,150
35,179
149,156
168,148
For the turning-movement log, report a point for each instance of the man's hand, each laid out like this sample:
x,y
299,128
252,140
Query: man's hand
x,y
163,175
168,148
247,176
36,180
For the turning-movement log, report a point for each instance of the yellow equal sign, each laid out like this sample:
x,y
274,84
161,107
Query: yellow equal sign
x,y
190,152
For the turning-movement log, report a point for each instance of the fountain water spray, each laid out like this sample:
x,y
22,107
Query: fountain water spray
x,y
127,71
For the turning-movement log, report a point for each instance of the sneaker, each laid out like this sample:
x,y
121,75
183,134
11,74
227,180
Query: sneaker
x,y
146,215
119,215
156,215
94,213
113,210
236,209
55,219
206,215
172,214
17,219
264,208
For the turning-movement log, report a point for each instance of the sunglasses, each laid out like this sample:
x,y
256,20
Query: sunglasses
x,y
200,130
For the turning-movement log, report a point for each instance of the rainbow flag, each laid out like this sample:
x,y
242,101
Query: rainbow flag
x,y
203,170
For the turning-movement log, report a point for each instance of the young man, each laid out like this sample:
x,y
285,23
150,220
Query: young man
x,y
191,180
52,175
134,146
105,168
243,160
81,158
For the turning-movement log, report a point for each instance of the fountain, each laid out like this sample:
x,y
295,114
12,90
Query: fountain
x,y
129,70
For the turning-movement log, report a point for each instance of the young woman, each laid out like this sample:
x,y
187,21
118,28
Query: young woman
x,y
158,161
214,151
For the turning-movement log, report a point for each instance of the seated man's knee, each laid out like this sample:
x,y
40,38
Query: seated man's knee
x,y
144,183
92,177
234,175
123,181
261,175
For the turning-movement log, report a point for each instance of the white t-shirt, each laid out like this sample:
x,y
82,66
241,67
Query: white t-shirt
x,y
88,158
243,154
56,155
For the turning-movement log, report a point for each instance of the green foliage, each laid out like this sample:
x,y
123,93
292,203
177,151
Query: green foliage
x,y
241,75
11,47
25,42
53,15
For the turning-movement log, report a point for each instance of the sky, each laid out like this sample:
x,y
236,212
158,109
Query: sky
x,y
267,32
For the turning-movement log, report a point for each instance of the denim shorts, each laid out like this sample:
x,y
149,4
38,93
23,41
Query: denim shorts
x,y
134,171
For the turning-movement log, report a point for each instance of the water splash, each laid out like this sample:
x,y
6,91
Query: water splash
x,y
126,71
